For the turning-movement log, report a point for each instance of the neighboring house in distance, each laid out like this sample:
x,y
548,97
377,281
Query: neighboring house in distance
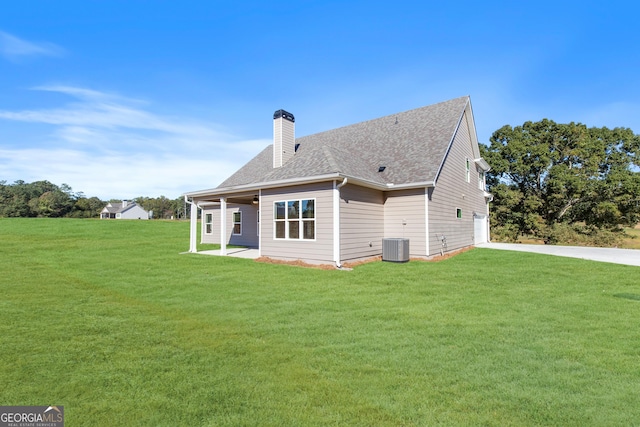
x,y
334,196
125,210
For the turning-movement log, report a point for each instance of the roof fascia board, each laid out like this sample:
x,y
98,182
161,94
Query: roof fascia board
x,y
214,192
453,137
263,185
411,185
471,124
483,164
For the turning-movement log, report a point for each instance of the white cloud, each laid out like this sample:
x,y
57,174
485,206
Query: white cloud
x,y
13,48
118,175
110,147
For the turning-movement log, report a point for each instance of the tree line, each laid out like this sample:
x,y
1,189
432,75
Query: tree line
x,y
44,199
565,183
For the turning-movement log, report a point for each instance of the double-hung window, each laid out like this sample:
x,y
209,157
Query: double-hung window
x,y
208,223
295,219
237,223
468,170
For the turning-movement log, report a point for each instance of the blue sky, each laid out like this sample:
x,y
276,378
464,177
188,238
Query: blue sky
x,y
120,99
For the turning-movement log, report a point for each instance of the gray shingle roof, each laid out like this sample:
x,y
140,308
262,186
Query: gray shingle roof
x,y
116,207
412,146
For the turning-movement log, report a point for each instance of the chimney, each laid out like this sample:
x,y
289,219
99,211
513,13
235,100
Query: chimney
x,y
284,139
125,203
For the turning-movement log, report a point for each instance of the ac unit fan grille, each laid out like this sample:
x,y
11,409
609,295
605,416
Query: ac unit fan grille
x,y
395,250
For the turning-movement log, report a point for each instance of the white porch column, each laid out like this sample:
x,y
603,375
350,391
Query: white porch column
x,y
193,228
223,226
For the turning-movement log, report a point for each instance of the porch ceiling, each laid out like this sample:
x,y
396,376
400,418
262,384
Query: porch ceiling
x,y
244,198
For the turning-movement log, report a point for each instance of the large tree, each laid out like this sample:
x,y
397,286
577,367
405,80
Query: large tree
x,y
544,173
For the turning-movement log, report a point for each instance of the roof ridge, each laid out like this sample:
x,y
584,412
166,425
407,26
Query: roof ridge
x,y
330,158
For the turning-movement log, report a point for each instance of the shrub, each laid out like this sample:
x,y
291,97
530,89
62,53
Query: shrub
x,y
505,233
582,235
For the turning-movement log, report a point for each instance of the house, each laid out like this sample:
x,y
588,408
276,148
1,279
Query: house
x,y
334,196
125,210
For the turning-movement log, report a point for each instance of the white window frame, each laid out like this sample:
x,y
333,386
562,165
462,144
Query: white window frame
x,y
482,181
288,221
239,223
468,169
208,223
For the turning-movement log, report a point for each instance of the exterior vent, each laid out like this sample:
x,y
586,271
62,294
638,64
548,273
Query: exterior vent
x,y
395,250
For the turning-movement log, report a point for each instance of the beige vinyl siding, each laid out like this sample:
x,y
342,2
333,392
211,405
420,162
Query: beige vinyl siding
x,y
404,217
452,191
361,222
249,225
214,236
318,250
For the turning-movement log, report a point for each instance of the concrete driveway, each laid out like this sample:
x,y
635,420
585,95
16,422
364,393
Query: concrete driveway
x,y
613,255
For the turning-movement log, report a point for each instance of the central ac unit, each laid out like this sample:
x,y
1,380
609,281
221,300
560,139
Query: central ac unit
x,y
395,250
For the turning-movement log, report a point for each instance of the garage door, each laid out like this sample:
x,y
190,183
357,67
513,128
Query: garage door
x,y
480,229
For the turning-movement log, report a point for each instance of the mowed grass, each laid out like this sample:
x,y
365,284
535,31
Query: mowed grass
x,y
108,319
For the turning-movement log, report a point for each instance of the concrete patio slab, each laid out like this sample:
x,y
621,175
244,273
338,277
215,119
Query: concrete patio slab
x,y
248,253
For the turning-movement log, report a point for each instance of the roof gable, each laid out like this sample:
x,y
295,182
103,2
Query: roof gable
x,y
117,207
411,145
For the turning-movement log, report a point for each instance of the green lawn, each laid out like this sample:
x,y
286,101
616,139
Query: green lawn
x,y
108,319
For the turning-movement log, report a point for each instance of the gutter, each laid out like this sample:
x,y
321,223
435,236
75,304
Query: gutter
x,y
263,185
336,222
309,180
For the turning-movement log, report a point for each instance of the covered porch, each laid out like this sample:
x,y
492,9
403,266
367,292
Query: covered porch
x,y
227,219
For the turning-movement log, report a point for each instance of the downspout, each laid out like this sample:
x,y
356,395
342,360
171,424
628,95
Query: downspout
x,y
336,222
426,218
193,226
259,223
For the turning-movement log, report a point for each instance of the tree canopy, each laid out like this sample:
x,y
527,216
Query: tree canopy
x,y
44,199
545,173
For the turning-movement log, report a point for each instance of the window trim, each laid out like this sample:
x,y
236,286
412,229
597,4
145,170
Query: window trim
x,y
208,223
468,169
301,220
234,223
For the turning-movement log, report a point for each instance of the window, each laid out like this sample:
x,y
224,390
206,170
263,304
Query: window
x,y
237,223
258,224
468,170
208,223
481,180
459,213
295,219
